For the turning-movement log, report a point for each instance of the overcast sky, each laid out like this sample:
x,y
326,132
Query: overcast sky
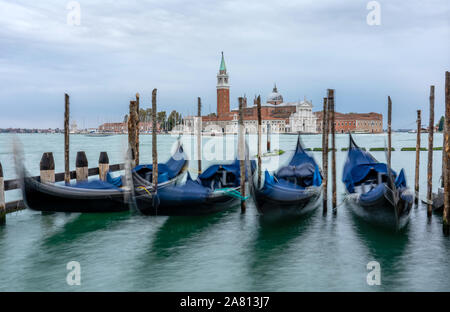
x,y
305,46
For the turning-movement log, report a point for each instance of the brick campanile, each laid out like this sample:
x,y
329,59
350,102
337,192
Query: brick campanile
x,y
223,90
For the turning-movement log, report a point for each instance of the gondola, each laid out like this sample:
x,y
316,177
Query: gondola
x,y
375,192
169,173
214,190
93,196
438,201
293,190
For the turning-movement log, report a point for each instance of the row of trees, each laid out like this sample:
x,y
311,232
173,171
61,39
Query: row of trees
x,y
441,124
167,123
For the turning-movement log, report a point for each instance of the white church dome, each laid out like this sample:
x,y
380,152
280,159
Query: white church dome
x,y
274,97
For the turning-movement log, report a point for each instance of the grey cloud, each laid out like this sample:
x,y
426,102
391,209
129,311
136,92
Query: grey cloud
x,y
305,46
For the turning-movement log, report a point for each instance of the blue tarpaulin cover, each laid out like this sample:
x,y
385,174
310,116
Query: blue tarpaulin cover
x,y
95,184
166,171
191,191
301,166
197,191
360,163
172,167
114,181
233,168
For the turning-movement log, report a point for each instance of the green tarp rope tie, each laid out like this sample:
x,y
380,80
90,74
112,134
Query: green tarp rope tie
x,y
233,193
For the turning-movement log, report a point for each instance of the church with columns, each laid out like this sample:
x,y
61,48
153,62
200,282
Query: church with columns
x,y
279,116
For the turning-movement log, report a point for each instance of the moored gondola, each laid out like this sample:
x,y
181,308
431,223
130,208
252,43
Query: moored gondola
x,y
374,191
293,190
95,195
169,173
437,201
214,190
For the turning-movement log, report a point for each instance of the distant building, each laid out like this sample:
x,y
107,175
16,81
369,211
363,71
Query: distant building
x,y
303,120
274,98
122,127
281,117
116,127
353,122
73,127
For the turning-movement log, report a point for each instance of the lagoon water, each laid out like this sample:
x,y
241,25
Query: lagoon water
x,y
222,252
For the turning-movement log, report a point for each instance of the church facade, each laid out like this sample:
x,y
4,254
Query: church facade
x,y
277,116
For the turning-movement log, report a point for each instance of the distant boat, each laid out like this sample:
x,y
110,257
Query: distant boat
x,y
98,134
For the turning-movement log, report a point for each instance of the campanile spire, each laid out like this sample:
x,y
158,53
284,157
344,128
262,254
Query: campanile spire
x,y
223,90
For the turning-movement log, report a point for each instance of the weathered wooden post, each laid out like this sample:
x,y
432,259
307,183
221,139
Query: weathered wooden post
x,y
325,154
443,154
2,198
389,130
268,135
241,151
103,165
199,134
416,184
154,145
258,107
132,158
333,147
132,128
81,167
430,154
446,158
47,168
137,129
66,140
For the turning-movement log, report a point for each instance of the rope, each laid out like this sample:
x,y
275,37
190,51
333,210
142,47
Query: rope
x,y
144,188
233,193
155,198
194,170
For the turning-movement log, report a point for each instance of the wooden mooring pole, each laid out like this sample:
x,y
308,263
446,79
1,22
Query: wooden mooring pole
x,y
325,124
416,180
389,130
154,145
81,167
103,165
137,129
47,168
199,134
2,198
430,154
268,135
333,147
66,139
241,151
132,128
258,108
446,157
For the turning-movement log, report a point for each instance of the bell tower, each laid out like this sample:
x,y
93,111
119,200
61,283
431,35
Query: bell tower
x,y
223,90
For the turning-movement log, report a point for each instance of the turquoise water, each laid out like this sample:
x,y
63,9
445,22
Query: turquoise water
x,y
222,252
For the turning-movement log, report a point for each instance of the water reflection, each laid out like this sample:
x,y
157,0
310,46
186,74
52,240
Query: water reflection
x,y
80,225
176,232
386,246
273,242
169,249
